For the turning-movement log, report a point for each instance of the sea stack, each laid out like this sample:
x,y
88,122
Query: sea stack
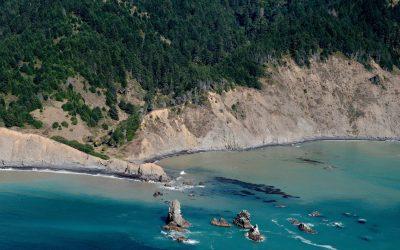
x,y
175,220
242,220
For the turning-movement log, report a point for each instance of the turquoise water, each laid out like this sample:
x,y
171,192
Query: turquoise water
x,y
69,211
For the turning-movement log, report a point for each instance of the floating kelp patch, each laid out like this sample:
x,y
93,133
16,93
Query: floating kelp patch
x,y
327,166
307,160
261,188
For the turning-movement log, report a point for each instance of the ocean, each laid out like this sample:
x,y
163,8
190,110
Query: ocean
x,y
344,181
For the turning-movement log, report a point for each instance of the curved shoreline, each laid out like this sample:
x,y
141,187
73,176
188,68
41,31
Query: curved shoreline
x,y
158,158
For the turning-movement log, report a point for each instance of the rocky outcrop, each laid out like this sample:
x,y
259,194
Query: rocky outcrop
x,y
20,150
175,220
242,220
332,99
220,222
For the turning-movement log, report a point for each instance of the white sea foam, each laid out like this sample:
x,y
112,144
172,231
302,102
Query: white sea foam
x,y
309,242
191,242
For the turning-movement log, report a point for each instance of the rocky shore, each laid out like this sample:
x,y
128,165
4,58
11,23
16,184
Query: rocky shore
x,y
29,151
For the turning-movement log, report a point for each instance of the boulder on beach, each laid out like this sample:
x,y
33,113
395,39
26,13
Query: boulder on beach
x,y
306,228
220,223
254,234
175,218
242,220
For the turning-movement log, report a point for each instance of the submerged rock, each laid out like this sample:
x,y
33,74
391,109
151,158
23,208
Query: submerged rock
x,y
242,220
362,221
220,223
306,228
315,214
337,224
254,234
347,214
175,218
294,221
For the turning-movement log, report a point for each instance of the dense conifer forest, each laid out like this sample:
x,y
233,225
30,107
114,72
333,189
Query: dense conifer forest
x,y
174,48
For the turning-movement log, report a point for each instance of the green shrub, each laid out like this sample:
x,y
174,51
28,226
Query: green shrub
x,y
86,148
55,125
64,124
74,120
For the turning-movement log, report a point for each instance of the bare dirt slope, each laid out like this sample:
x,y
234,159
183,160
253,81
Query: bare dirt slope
x,y
335,98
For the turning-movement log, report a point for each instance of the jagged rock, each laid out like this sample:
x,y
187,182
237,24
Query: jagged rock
x,y
175,217
242,220
220,223
158,193
305,228
255,235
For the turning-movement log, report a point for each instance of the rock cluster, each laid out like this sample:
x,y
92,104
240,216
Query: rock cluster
x,y
302,226
220,223
242,220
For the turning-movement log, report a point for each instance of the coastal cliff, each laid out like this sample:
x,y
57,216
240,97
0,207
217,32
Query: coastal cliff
x,y
338,98
18,150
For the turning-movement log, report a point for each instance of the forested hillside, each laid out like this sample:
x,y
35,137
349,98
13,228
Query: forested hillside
x,y
173,48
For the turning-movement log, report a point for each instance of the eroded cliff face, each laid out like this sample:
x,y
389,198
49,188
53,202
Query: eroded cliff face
x,y
33,151
336,98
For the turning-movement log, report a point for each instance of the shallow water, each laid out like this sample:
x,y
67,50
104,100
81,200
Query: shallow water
x,y
53,211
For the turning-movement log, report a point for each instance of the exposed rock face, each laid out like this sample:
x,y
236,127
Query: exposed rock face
x,y
220,223
33,151
330,99
255,235
175,218
242,220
